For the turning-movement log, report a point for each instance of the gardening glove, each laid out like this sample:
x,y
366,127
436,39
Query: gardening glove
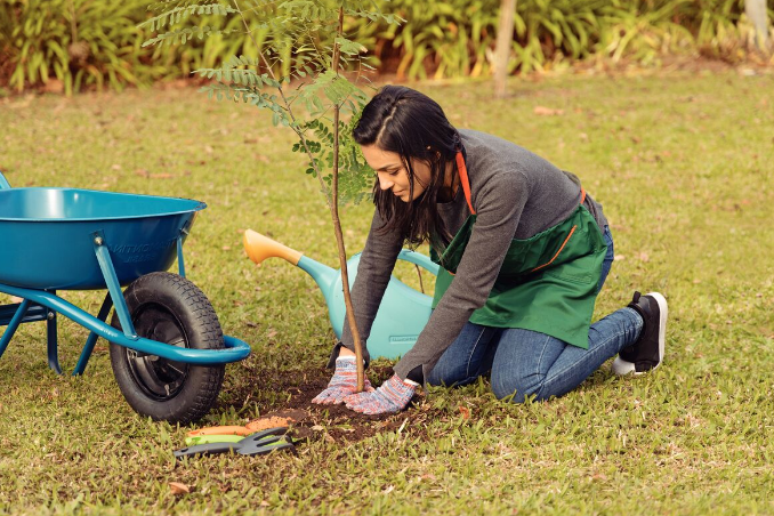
x,y
392,396
343,383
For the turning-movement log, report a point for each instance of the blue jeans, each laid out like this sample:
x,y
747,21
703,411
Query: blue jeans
x,y
524,363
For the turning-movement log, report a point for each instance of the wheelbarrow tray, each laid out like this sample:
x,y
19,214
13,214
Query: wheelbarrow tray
x,y
48,235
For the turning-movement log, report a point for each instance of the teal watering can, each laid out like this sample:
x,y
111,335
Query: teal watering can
x,y
402,314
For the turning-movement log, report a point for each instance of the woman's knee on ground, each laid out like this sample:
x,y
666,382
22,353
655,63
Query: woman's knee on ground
x,y
517,389
449,377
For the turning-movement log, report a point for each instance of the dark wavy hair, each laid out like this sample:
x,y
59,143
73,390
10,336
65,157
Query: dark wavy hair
x,y
404,121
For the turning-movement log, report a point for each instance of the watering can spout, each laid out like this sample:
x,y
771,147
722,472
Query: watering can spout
x,y
260,247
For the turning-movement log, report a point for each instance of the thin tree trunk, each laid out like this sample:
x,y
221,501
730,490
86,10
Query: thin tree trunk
x,y
337,225
758,15
334,200
504,40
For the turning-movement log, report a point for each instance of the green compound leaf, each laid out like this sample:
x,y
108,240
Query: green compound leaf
x,y
349,47
178,14
336,89
184,35
239,76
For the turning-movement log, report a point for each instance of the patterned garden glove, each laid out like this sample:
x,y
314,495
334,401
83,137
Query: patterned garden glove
x,y
343,383
392,396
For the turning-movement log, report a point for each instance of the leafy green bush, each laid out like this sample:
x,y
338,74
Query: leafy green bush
x,y
644,30
94,42
455,37
79,42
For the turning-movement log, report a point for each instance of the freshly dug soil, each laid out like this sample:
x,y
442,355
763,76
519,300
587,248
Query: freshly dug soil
x,y
334,423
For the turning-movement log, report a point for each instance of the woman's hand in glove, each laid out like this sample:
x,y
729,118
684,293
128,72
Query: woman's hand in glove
x,y
343,383
392,396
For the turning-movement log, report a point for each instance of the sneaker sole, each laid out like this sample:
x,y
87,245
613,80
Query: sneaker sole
x,y
622,367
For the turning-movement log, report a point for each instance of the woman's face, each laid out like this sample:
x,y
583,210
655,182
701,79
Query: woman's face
x,y
393,174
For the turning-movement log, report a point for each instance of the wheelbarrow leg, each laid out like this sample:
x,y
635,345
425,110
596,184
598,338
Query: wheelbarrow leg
x,y
51,334
13,325
180,259
114,287
107,304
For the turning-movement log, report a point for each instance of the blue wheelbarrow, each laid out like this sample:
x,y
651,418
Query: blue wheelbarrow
x,y
167,349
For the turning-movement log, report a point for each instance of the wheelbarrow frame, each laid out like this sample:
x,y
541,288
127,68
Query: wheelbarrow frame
x,y
44,305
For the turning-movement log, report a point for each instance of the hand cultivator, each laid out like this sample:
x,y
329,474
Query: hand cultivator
x,y
259,443
167,348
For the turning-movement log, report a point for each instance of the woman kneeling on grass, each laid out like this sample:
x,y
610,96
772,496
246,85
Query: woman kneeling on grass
x,y
523,249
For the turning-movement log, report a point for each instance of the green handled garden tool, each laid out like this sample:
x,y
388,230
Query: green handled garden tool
x,y
260,443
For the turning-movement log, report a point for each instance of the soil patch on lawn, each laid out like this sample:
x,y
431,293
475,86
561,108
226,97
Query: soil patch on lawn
x,y
287,396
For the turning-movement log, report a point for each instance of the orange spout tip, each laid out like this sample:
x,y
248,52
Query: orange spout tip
x,y
260,247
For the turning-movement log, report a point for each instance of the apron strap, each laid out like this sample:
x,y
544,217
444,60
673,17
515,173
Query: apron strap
x,y
463,170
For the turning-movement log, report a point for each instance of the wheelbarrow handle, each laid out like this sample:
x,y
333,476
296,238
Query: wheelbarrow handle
x,y
4,185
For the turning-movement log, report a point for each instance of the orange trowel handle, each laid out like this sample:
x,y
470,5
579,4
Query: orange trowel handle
x,y
221,430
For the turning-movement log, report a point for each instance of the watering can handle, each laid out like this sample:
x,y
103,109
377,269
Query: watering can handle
x,y
4,185
419,259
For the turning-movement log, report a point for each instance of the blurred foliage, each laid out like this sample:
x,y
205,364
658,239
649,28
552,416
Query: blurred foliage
x,y
79,43
94,43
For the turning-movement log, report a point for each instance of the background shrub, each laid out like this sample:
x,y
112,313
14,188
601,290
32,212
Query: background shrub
x,y
97,43
77,42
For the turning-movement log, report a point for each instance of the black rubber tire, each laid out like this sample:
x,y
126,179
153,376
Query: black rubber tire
x,y
168,308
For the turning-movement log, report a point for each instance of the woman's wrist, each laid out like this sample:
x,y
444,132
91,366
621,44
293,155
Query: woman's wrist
x,y
410,383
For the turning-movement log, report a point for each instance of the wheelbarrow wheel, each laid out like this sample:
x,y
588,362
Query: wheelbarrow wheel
x,y
168,308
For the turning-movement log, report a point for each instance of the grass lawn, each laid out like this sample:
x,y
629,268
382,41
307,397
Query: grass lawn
x,y
683,166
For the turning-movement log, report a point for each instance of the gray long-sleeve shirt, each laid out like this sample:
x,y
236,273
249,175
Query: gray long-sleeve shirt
x,y
516,194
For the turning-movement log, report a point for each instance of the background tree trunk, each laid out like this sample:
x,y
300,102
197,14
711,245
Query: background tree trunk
x,y
503,49
758,15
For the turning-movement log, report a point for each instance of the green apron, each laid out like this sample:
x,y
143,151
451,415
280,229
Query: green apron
x,y
547,283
